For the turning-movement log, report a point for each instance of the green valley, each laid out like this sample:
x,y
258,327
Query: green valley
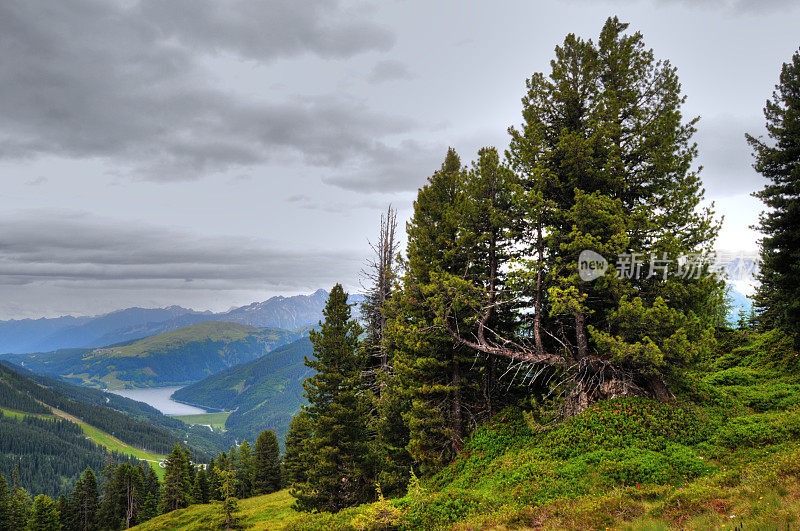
x,y
263,393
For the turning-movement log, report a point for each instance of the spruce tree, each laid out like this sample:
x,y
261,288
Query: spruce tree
x,y
5,505
20,508
151,488
244,471
435,371
176,493
339,473
200,488
267,464
215,483
230,504
297,457
65,517
778,295
85,501
44,516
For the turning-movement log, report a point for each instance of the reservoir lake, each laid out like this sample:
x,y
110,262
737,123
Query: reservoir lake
x,y
159,398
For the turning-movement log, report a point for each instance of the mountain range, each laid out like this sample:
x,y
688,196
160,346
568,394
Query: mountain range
x,y
50,334
176,357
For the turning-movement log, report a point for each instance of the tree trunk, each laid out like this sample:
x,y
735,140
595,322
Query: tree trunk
x,y
600,380
489,368
580,334
456,412
537,317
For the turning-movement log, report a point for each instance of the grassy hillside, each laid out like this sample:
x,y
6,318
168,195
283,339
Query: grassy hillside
x,y
175,339
262,512
176,357
264,393
725,454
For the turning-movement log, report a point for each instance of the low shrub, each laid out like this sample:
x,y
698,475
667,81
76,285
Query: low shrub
x,y
733,376
628,422
635,466
759,430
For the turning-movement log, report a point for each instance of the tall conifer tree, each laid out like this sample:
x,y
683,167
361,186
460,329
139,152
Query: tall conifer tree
x,y
176,492
44,515
433,369
337,410
85,501
266,464
297,457
778,296
5,505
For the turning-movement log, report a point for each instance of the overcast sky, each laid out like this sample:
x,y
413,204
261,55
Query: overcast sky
x,y
212,154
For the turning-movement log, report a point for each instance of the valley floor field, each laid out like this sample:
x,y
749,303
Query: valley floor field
x,y
215,420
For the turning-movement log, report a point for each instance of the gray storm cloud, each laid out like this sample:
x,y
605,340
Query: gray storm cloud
x,y
95,79
69,247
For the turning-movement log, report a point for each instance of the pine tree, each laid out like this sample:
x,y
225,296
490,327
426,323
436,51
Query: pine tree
x,y
20,507
151,488
244,471
230,505
84,502
176,493
605,164
387,430
267,464
44,516
778,296
200,488
488,227
380,275
338,476
5,505
433,368
296,458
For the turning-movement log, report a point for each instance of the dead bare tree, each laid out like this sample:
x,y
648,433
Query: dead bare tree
x,y
379,276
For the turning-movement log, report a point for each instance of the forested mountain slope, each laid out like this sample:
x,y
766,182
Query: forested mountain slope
x,y
50,452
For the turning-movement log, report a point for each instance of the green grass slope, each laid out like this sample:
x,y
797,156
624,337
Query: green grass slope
x,y
262,394
177,357
724,455
272,511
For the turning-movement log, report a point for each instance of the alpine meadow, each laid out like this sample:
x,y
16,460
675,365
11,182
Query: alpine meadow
x,y
593,323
